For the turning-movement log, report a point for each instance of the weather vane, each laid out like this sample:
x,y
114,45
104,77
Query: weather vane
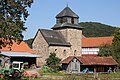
x,y
67,4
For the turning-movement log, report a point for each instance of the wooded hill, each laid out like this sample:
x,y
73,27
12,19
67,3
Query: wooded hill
x,y
91,29
95,29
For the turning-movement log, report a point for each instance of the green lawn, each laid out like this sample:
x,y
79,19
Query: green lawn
x,y
63,76
58,76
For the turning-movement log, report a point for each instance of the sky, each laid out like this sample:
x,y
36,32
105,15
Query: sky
x,y
43,12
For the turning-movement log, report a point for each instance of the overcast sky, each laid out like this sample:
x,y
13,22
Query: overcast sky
x,y
43,12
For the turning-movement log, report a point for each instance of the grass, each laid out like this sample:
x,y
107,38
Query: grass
x,y
92,76
58,76
62,76
55,74
111,75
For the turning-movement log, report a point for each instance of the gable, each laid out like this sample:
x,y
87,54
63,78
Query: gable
x,y
70,59
39,41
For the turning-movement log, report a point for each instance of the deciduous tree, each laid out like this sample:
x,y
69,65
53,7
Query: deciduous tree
x,y
105,50
114,49
13,14
116,45
53,62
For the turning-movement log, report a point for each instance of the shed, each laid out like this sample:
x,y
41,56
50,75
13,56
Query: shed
x,y
21,56
93,63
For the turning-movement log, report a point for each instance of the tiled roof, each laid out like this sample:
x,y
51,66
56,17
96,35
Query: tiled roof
x,y
89,55
68,59
92,60
22,47
96,41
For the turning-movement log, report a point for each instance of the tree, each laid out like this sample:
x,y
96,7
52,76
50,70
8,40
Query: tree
x,y
29,42
13,14
105,50
116,39
116,45
53,62
114,49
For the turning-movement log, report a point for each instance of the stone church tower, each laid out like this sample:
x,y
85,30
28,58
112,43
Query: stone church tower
x,y
64,40
67,23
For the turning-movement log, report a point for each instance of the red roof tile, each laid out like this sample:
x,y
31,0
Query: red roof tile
x,y
22,47
96,41
68,59
92,60
89,55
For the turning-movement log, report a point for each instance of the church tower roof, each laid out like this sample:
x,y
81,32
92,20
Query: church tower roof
x,y
67,12
67,19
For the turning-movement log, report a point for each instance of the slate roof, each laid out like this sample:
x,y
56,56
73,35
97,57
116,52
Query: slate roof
x,y
96,41
67,12
92,60
54,38
67,25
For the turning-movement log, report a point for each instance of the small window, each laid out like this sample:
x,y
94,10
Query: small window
x,y
64,51
75,52
55,49
16,65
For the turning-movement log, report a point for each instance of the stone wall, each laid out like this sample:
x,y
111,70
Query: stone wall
x,y
61,51
40,47
74,37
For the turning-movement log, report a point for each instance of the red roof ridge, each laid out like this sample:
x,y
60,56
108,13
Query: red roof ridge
x,y
89,54
100,37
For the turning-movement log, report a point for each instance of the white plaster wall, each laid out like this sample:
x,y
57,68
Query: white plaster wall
x,y
90,50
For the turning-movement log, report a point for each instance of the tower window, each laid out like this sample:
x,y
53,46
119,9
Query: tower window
x,y
72,20
64,20
61,20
